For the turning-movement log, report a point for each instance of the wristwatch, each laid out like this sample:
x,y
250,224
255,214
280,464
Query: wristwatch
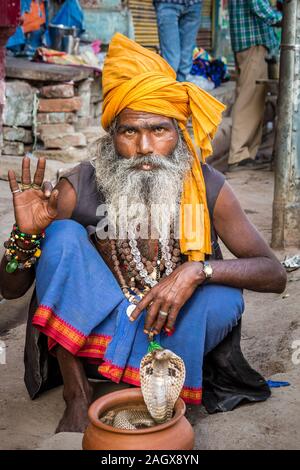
x,y
208,270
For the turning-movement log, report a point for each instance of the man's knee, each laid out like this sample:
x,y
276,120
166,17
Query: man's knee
x,y
65,227
64,232
224,309
225,302
63,237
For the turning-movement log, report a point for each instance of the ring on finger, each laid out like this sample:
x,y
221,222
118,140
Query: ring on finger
x,y
150,335
36,186
25,186
163,314
16,191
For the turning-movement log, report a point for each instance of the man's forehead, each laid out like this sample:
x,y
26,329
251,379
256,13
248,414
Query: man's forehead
x,y
129,116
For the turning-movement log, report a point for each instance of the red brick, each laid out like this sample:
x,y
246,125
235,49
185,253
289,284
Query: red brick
x,y
57,91
18,134
63,105
56,118
12,148
54,130
65,141
60,136
69,155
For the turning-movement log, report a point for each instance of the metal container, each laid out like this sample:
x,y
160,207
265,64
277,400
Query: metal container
x,y
76,46
57,34
68,44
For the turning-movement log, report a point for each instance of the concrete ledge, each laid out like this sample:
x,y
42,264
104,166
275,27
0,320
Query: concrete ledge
x,y
25,70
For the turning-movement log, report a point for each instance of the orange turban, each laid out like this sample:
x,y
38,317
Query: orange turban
x,y
141,80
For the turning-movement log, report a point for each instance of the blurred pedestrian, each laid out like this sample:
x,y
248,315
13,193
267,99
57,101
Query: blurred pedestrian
x,y
178,24
252,37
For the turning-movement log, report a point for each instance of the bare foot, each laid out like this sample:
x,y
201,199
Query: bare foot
x,y
75,417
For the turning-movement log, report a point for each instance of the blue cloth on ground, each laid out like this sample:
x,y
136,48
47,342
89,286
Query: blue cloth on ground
x,y
277,384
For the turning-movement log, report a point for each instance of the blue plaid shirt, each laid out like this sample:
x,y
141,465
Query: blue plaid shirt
x,y
187,3
251,24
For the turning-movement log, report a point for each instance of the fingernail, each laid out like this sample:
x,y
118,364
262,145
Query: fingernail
x,y
169,331
131,319
146,332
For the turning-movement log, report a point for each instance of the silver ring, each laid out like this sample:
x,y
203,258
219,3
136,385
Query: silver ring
x,y
16,191
163,314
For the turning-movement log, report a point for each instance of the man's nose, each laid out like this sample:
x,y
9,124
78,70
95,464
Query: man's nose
x,y
144,145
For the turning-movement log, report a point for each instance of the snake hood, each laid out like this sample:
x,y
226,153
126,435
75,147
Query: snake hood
x,y
162,377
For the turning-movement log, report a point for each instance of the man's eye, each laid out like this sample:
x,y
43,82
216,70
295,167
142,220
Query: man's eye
x,y
130,132
159,130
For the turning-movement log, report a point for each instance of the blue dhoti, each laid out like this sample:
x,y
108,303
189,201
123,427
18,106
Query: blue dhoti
x,y
82,307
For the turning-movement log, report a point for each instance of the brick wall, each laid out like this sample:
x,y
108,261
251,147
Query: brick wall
x,y
54,120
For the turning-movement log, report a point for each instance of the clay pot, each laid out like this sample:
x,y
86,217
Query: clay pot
x,y
176,434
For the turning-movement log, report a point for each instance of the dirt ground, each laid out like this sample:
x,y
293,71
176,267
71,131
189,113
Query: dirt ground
x,y
271,324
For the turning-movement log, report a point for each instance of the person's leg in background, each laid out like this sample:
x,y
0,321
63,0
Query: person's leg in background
x,y
248,109
189,24
168,29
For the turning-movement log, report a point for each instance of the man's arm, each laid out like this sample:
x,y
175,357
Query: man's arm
x,y
13,286
257,268
265,12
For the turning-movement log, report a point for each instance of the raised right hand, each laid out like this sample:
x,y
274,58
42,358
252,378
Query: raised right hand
x,y
35,209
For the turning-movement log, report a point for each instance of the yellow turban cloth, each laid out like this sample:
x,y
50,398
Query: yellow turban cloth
x,y
141,80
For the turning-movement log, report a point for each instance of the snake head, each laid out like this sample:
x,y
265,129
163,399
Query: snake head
x,y
162,354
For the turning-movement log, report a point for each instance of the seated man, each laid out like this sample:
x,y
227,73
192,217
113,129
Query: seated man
x,y
101,295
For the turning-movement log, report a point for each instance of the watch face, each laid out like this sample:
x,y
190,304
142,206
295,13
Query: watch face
x,y
208,270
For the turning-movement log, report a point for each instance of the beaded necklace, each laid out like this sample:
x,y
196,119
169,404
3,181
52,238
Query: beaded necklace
x,y
126,255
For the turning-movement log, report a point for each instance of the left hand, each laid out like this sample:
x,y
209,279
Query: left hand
x,y
169,295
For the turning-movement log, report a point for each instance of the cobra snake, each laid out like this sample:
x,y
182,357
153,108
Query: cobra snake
x,y
162,375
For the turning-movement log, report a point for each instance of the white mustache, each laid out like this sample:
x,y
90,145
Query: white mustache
x,y
158,161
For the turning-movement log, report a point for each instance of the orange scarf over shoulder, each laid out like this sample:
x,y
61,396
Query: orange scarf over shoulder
x,y
141,80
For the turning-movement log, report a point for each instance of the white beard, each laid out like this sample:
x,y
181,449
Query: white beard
x,y
157,192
